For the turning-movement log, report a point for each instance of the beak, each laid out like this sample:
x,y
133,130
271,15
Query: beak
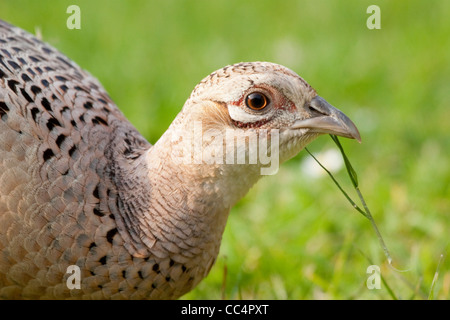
x,y
328,120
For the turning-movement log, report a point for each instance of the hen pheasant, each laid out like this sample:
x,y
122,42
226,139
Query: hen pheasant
x,y
79,186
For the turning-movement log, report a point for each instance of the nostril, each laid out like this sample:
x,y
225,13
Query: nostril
x,y
315,111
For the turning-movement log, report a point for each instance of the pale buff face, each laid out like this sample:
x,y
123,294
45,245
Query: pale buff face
x,y
285,91
220,103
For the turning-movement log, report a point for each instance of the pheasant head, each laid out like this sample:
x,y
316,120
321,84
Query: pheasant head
x,y
243,120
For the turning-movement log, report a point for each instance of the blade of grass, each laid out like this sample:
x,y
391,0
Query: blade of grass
x,y
224,280
354,179
354,205
436,275
375,227
350,170
388,288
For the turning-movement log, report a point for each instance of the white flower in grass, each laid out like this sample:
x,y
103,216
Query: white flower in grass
x,y
330,159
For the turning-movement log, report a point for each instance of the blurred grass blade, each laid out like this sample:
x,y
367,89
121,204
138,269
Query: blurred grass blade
x,y
436,275
224,280
388,288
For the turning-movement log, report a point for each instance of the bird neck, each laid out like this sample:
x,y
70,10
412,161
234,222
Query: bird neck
x,y
174,209
208,183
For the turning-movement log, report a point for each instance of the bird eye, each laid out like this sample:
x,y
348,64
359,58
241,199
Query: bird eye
x,y
256,101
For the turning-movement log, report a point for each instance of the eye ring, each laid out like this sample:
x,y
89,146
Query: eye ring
x,y
256,101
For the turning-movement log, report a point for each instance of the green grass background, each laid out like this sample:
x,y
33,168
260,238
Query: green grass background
x,y
292,236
